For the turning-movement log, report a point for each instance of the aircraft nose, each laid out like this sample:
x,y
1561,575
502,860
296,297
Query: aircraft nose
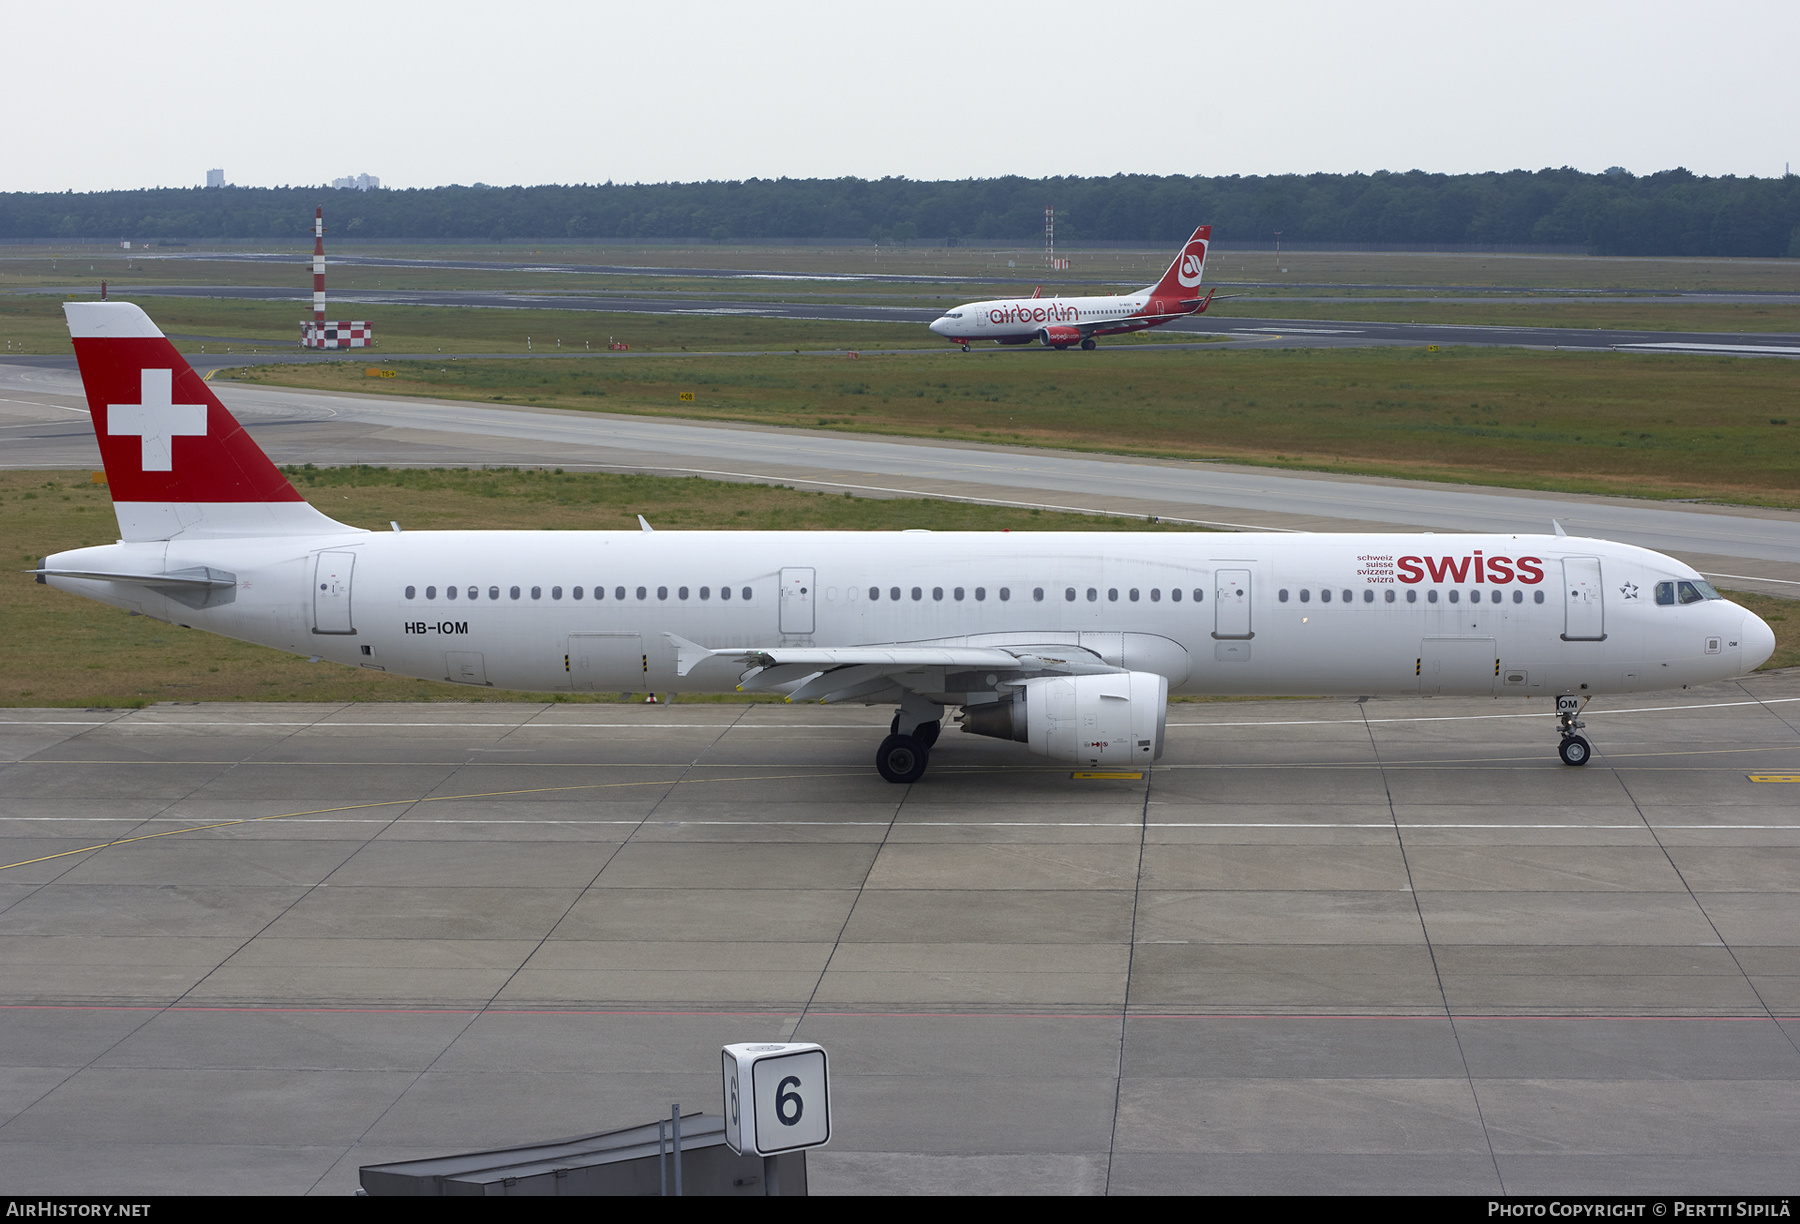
x,y
939,325
1758,641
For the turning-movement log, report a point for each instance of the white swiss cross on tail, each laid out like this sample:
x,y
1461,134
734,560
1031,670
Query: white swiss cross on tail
x,y
157,420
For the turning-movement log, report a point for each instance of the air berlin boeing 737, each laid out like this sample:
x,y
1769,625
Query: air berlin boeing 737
x,y
1068,642
1059,322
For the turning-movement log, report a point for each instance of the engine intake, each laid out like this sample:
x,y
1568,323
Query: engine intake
x,y
1114,719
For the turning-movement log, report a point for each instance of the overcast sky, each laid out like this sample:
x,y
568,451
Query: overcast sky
x,y
106,95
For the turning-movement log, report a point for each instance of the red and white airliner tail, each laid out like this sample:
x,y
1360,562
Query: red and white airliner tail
x,y
178,463
1180,285
1061,322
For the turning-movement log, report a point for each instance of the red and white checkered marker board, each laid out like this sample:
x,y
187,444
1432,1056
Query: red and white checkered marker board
x,y
329,335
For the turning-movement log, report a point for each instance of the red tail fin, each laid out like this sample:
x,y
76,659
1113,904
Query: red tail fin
x,y
177,462
1182,281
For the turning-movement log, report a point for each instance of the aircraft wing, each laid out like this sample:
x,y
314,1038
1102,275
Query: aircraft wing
x,y
841,673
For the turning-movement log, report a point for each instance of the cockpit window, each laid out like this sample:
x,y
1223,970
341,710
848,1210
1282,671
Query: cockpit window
x,y
1695,591
1665,593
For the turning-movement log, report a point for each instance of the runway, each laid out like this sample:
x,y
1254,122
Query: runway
x,y
1237,332
1324,946
45,425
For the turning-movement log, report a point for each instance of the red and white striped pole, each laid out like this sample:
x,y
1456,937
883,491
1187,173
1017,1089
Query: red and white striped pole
x,y
319,268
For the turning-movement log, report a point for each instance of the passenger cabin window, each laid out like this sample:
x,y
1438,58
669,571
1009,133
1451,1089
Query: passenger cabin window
x,y
449,592
410,591
619,592
1305,595
514,592
431,593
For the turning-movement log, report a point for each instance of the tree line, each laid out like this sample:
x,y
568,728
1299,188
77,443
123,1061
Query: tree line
x,y
1672,212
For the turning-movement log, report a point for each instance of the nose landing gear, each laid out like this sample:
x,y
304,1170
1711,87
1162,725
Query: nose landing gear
x,y
1573,749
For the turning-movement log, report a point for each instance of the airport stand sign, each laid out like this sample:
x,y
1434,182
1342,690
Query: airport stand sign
x,y
777,1097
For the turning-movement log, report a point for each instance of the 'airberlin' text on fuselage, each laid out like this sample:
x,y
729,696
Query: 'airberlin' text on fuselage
x,y
1527,570
1055,312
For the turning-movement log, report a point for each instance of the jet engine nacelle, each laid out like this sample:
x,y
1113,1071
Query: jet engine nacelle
x,y
1059,334
1113,719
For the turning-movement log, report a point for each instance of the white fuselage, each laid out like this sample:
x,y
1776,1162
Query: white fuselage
x,y
1021,320
1213,613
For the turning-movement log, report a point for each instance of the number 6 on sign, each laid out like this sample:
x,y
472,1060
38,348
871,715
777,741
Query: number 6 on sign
x,y
777,1097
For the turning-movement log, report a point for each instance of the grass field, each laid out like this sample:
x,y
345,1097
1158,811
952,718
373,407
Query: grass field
x,y
35,325
1645,425
68,651
1613,314
984,262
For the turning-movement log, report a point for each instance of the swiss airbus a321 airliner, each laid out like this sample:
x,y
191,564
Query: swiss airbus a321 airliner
x,y
1070,643
1060,322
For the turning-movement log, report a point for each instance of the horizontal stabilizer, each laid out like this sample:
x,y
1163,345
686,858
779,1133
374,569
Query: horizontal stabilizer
x,y
201,577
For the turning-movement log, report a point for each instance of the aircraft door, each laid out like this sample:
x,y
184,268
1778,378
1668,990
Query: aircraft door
x,y
797,597
331,592
465,667
1464,666
606,661
1584,609
1231,604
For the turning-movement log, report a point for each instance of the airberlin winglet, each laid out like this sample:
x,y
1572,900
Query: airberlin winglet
x,y
177,462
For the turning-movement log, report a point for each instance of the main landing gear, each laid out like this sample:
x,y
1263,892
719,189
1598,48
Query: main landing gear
x,y
902,757
1088,344
1573,750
